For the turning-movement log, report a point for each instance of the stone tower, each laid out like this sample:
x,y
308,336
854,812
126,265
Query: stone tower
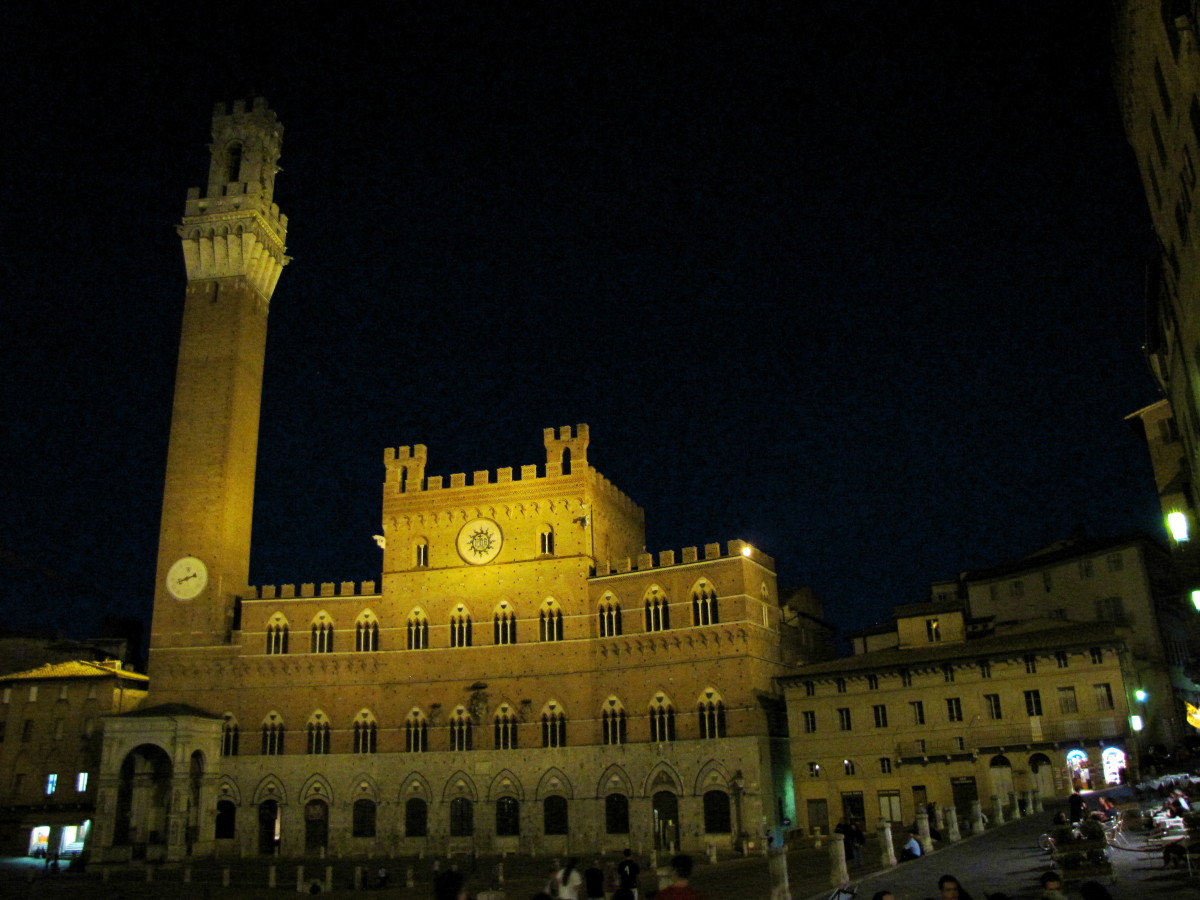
x,y
233,249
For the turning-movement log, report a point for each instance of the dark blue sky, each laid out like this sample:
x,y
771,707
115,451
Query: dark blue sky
x,y
859,283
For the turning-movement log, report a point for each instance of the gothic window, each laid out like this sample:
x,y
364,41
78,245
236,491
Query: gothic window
x,y
277,635
504,624
318,734
366,634
612,720
462,817
233,156
616,814
550,621
546,540
272,735
229,736
662,719
554,815
711,709
421,553
658,611
460,627
418,630
416,732
610,616
460,730
554,725
505,728
322,634
363,821
704,605
717,817
508,817
366,733
416,817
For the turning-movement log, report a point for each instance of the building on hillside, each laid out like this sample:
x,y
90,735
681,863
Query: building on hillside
x,y
1127,580
50,743
935,708
521,677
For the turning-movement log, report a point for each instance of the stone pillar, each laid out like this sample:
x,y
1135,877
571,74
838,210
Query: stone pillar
x,y
1037,801
951,817
997,810
923,832
976,817
299,879
1014,808
225,876
937,818
328,879
779,875
408,877
271,876
838,874
1027,799
887,851
358,878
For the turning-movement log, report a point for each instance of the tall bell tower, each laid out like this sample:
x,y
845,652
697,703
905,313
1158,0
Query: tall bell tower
x,y
233,250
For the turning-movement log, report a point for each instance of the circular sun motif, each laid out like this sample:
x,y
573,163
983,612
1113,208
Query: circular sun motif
x,y
479,541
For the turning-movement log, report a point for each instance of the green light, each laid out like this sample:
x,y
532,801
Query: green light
x,y
1139,695
1196,599
1177,524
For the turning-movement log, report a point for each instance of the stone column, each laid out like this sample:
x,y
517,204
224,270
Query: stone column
x,y
997,810
937,818
923,832
779,875
1037,801
839,875
976,817
1027,798
887,851
1014,808
177,816
951,817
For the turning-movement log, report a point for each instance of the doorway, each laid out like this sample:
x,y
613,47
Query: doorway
x,y
666,821
316,826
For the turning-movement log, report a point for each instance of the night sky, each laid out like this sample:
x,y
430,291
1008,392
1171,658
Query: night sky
x,y
861,283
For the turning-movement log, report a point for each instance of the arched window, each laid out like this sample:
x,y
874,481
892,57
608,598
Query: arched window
x,y
366,634
322,634
416,817
717,818
658,611
460,627
662,719
462,817
508,817
277,635
460,730
229,736
421,552
546,540
365,733
272,735
318,733
550,621
226,824
504,624
554,815
505,726
616,814
416,732
233,158
711,711
363,819
610,616
612,718
554,725
418,630
704,604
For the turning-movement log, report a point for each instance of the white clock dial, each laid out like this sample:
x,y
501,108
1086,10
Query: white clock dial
x,y
186,578
479,541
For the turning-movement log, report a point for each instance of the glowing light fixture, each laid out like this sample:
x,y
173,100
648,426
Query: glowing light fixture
x,y
1139,695
1135,722
747,550
1196,599
1177,524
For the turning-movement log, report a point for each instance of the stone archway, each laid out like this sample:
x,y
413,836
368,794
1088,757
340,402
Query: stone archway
x,y
143,801
316,826
666,821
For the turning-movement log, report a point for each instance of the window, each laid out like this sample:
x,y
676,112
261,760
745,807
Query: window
x,y
546,541
462,817
810,721
814,770
322,636
1016,589
1110,609
363,819
662,720
7,695
1030,664
81,782
880,711
418,631
810,688
1085,568
1066,700
504,729
366,734
277,637
460,730
229,737
991,703
550,622
954,709
58,728
460,628
985,668
508,814
848,767
554,727
905,678
272,736
1047,581
1060,657
421,557
62,692
844,719
33,692
712,717
616,814
717,818
416,817
1033,703
1115,562
885,765
841,685
1097,656
554,815
504,625
704,605
1104,695
366,635
318,735
872,682
947,672
933,631
658,612
610,617
27,731
615,728
51,783
889,805
918,711
416,733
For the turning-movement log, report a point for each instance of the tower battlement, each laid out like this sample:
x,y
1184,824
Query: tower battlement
x,y
687,557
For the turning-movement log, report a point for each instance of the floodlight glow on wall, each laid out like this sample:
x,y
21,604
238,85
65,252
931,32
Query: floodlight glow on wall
x,y
1196,599
1177,524
1135,722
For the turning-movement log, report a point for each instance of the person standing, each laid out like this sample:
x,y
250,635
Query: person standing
x,y
566,884
628,870
593,881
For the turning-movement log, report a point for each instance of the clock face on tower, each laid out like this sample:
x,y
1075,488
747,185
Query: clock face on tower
x,y
186,578
479,541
